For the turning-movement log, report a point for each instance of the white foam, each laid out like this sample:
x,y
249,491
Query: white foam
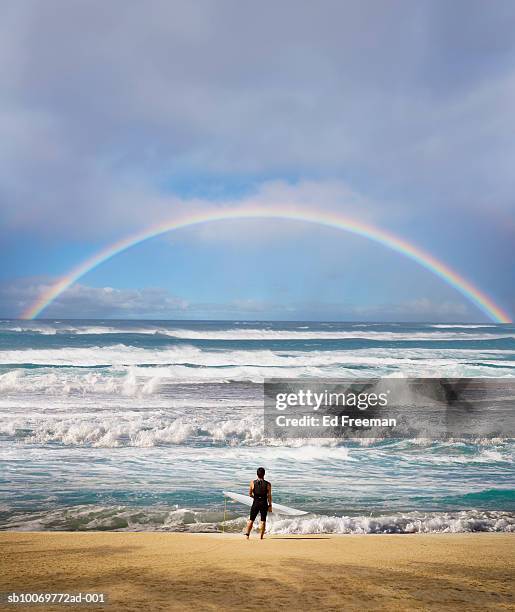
x,y
247,333
461,326
414,361
413,522
59,383
151,427
123,518
228,423
484,456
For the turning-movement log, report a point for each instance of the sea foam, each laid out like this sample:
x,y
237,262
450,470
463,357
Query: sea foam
x,y
123,518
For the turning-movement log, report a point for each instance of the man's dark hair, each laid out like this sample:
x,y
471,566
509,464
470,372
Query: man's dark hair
x,y
261,472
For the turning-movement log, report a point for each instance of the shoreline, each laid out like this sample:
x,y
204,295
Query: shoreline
x,y
206,571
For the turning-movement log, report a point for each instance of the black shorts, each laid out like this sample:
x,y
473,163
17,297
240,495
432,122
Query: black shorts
x,y
259,507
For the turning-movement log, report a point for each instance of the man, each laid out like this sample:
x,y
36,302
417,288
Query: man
x,y
261,490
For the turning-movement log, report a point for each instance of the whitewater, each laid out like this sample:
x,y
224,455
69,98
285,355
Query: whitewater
x,y
140,425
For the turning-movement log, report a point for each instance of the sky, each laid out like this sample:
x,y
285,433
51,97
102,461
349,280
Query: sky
x,y
116,116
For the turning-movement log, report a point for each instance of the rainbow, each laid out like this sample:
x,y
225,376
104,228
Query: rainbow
x,y
323,218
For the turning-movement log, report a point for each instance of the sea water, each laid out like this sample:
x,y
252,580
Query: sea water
x,y
140,425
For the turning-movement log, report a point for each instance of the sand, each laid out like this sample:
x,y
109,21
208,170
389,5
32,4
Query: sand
x,y
172,571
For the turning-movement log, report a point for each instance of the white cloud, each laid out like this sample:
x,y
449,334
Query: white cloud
x,y
103,102
398,113
81,301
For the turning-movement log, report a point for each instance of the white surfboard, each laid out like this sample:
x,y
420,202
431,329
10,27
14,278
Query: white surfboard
x,y
276,508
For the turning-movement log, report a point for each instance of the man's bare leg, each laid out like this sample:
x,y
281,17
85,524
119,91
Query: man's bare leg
x,y
262,527
249,528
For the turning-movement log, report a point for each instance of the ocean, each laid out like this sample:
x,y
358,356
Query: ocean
x,y
140,425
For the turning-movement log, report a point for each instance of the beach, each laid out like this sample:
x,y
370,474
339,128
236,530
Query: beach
x,y
117,440
182,571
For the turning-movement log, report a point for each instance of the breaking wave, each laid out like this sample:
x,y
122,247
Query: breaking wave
x,y
107,425
413,522
116,430
123,518
194,364
459,332
227,423
59,384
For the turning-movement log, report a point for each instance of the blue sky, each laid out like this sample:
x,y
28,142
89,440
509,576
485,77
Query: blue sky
x,y
114,117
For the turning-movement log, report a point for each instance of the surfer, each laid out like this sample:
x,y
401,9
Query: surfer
x,y
261,491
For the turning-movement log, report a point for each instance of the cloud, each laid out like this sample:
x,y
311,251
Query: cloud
x,y
116,117
104,104
81,301
323,196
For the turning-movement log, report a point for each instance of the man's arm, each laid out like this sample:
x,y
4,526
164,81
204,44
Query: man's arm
x,y
251,489
269,497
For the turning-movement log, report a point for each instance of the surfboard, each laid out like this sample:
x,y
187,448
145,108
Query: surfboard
x,y
276,508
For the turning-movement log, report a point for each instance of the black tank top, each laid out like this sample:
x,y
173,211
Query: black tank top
x,y
260,489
